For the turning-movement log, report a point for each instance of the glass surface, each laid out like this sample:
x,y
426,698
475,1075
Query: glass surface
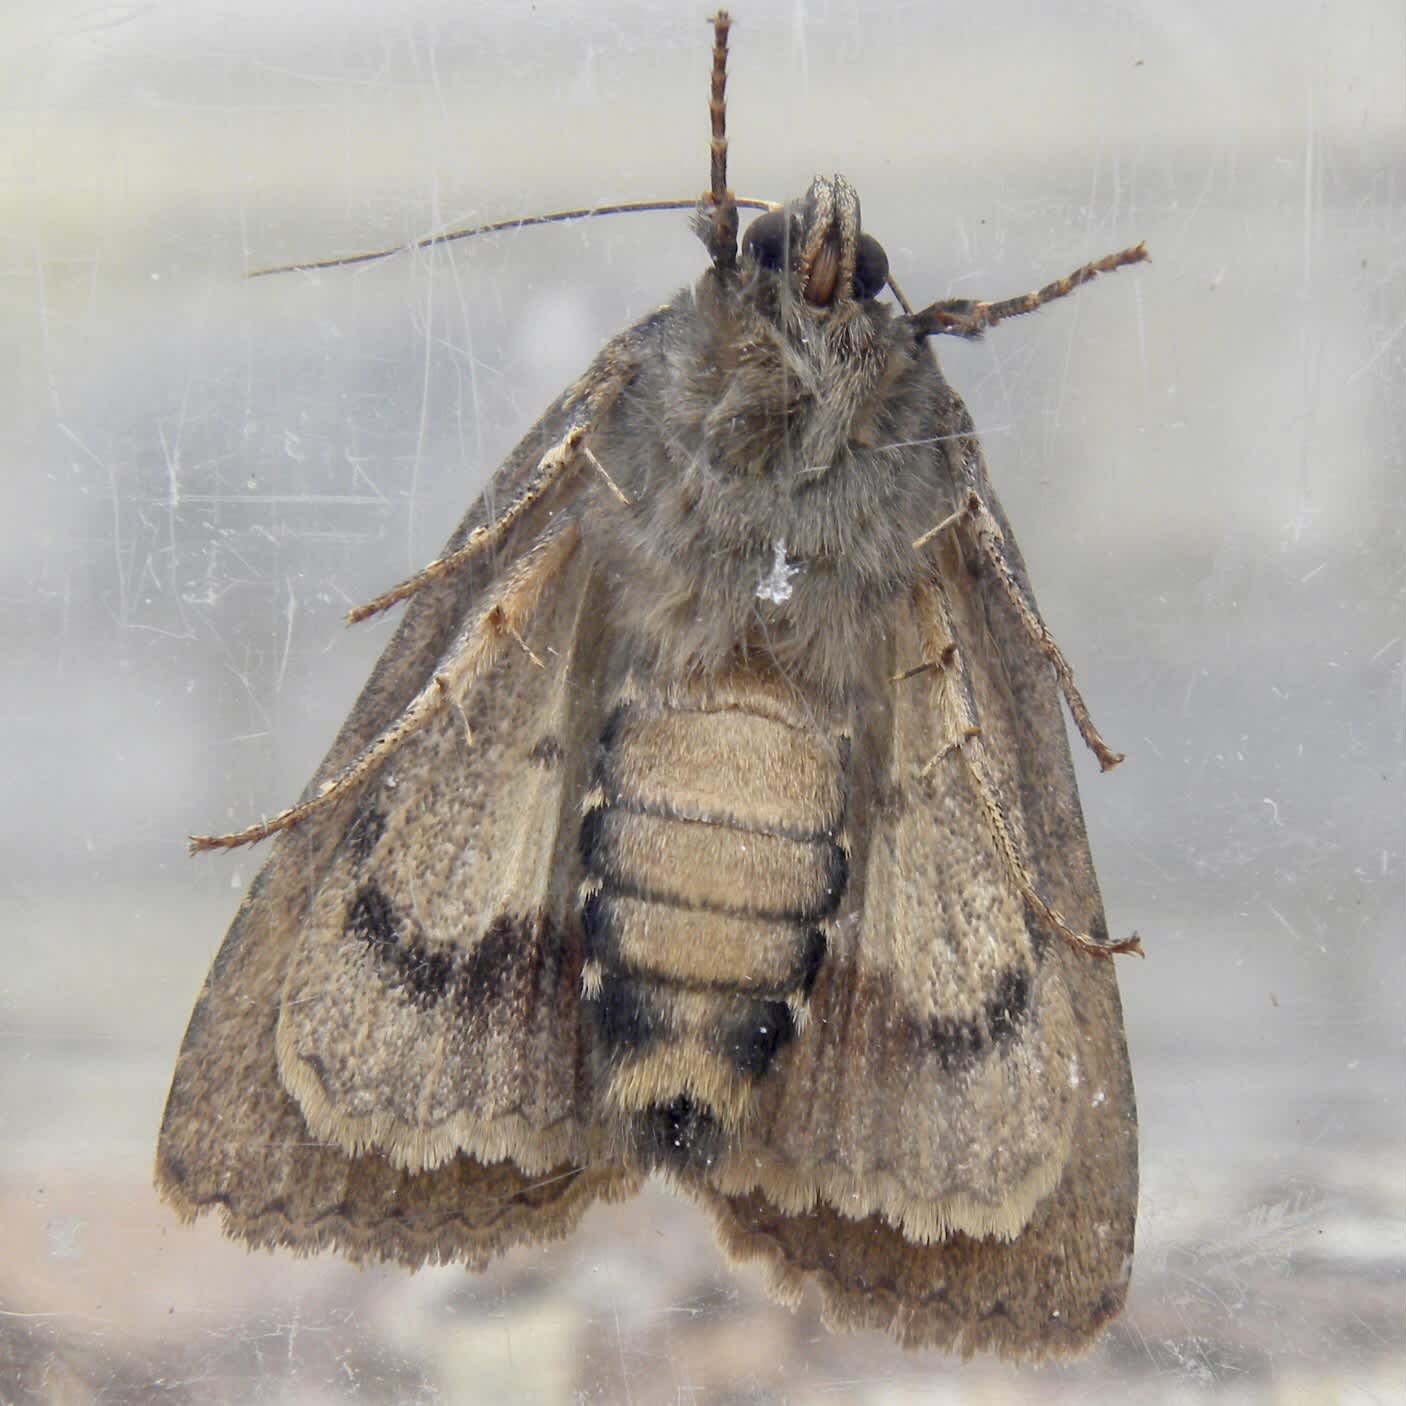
x,y
1202,458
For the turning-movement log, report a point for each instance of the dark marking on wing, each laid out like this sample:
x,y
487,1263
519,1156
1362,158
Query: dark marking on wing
x,y
960,1043
423,975
510,955
364,834
547,752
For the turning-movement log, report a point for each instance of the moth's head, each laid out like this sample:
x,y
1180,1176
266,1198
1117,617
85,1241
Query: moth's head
x,y
816,249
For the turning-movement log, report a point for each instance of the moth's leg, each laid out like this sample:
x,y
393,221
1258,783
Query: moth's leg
x,y
475,648
993,547
963,727
570,452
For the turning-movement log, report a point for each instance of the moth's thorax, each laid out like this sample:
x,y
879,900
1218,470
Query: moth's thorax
x,y
780,460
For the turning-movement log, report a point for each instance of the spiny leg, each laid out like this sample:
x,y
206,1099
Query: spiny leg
x,y
969,319
570,452
963,726
993,547
473,652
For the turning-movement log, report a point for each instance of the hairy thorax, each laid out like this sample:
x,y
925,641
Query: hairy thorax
x,y
773,511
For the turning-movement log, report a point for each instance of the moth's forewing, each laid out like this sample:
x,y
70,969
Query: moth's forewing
x,y
934,1089
953,1157
233,1136
430,1004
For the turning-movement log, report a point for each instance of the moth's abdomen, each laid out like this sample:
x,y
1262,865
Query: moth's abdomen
x,y
713,850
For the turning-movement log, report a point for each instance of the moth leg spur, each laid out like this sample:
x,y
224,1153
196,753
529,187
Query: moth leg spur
x,y
964,729
500,622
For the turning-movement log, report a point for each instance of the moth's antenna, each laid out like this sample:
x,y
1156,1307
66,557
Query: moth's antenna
x,y
718,207
556,217
961,317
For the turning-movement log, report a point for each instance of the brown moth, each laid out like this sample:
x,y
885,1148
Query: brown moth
x,y
711,814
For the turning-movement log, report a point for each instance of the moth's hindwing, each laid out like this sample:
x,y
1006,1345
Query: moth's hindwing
x,y
403,978
950,1151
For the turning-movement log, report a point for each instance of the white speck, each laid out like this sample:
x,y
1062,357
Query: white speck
x,y
64,1234
776,587
1073,1071
1099,1097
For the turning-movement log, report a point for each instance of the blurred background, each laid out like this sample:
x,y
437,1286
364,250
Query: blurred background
x,y
1203,459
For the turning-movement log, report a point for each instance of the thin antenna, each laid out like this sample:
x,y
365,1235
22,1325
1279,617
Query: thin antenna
x,y
556,217
717,107
961,317
719,206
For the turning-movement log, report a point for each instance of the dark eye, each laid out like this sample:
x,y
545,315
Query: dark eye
x,y
871,267
768,240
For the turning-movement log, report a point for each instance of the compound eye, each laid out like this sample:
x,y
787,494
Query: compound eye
x,y
871,267
768,240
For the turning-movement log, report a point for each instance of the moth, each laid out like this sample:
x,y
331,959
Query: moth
x,y
710,814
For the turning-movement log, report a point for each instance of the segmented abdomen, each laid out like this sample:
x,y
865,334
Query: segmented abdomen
x,y
713,850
